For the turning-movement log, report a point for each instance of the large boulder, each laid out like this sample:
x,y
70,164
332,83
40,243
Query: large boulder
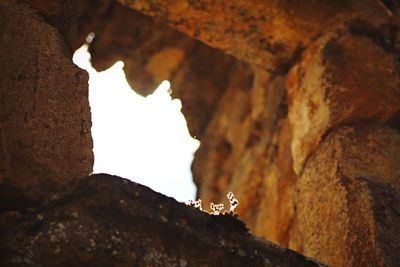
x,y
346,76
45,121
108,221
348,198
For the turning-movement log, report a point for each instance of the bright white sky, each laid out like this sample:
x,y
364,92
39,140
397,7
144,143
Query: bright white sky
x,y
144,139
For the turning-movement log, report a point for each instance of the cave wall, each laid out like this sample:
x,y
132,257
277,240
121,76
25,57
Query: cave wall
x,y
51,212
320,71
304,131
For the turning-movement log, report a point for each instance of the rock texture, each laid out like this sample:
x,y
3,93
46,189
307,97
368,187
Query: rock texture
x,y
346,76
306,134
317,67
351,186
270,35
108,221
246,150
60,14
44,112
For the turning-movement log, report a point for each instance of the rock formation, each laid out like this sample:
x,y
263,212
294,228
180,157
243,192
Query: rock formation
x,y
108,221
317,67
45,120
304,131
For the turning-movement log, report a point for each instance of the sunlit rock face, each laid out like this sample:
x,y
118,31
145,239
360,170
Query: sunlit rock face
x,y
271,34
45,122
344,77
351,186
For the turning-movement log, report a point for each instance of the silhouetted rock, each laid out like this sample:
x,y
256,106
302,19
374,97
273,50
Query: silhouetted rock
x,y
108,221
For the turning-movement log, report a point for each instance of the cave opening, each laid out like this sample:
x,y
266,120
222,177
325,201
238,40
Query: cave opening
x,y
144,139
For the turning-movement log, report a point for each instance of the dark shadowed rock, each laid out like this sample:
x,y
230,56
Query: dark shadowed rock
x,y
108,221
44,111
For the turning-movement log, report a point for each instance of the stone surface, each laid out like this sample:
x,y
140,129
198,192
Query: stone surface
x,y
348,198
346,76
252,148
246,150
268,34
59,14
107,221
304,180
44,112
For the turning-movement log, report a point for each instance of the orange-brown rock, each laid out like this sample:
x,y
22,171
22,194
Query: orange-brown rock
x,y
44,111
246,150
348,198
269,34
304,180
347,75
335,81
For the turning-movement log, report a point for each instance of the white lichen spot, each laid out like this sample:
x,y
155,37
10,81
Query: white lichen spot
x,y
61,226
164,219
267,262
40,217
182,263
92,243
116,240
35,238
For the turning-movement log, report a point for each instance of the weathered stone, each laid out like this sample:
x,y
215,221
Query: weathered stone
x,y
60,14
345,76
270,35
108,221
246,150
345,56
348,198
44,112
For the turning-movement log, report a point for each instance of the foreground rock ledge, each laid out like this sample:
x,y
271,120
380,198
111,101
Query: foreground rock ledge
x,y
108,221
